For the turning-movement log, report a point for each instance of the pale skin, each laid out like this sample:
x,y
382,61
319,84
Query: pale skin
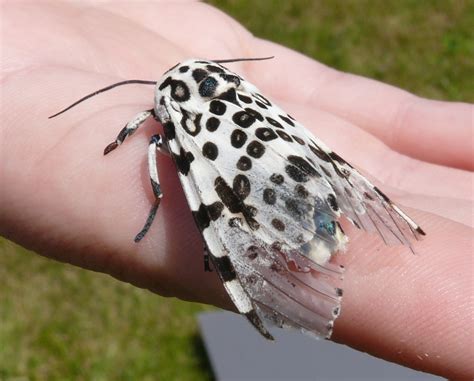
x,y
63,199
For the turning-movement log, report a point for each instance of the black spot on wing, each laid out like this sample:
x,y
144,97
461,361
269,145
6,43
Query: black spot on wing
x,y
217,107
252,252
210,151
244,163
234,202
303,165
298,140
179,91
301,191
169,130
212,124
287,120
284,135
255,149
199,74
215,210
245,99
224,267
274,123
261,98
227,195
296,208
254,113
241,186
332,202
229,96
319,152
191,126
235,222
238,138
165,83
334,156
215,69
207,213
243,119
265,134
183,161
277,178
340,227
278,224
230,78
269,196
296,174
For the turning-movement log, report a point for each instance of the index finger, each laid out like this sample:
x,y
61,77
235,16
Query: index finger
x,y
438,132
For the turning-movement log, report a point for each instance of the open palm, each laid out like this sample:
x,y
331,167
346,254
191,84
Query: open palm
x,y
63,199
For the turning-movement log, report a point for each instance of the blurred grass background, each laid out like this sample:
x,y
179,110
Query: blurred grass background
x,y
62,323
424,46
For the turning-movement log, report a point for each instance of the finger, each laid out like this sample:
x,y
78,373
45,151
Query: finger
x,y
228,43
65,173
412,309
438,132
454,209
94,41
374,158
97,237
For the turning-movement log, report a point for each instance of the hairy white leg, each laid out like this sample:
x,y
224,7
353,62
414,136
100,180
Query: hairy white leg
x,y
156,144
129,129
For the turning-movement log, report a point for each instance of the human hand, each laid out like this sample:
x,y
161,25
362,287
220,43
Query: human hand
x,y
63,199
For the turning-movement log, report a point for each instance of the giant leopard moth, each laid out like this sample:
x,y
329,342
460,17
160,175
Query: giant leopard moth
x,y
265,193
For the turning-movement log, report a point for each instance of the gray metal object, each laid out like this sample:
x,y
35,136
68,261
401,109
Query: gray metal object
x,y
237,352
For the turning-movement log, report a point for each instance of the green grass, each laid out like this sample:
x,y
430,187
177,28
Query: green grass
x,y
59,322
424,46
62,323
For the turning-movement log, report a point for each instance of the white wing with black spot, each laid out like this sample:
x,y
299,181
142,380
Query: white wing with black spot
x,y
267,197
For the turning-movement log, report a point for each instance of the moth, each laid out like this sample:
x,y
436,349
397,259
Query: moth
x,y
266,195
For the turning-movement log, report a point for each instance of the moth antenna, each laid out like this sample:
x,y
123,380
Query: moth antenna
x,y
244,59
128,82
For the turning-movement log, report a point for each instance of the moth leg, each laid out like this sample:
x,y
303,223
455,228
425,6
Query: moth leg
x,y
156,144
207,267
129,129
